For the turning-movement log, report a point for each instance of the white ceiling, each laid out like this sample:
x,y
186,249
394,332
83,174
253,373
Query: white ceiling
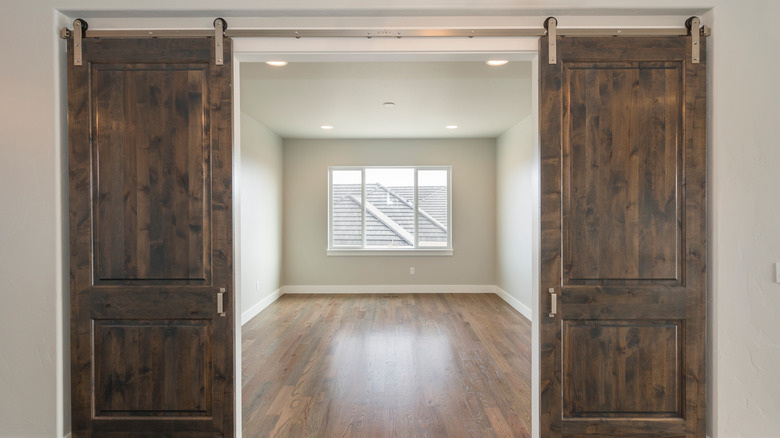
x,y
295,100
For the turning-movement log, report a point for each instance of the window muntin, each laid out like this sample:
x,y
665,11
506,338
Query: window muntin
x,y
373,208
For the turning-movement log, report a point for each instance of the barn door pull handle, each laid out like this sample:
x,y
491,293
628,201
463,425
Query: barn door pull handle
x,y
221,302
553,302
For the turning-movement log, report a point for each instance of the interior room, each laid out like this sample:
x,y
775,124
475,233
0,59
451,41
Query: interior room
x,y
470,113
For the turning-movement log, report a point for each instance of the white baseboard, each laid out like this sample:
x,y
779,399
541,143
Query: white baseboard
x,y
391,289
262,304
514,302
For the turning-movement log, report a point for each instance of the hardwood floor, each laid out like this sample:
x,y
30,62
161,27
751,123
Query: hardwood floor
x,y
443,365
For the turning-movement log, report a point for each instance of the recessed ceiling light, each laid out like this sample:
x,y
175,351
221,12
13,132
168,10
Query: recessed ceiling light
x,y
276,63
451,126
326,127
497,62
389,104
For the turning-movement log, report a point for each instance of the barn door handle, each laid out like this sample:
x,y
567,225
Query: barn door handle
x,y
553,302
221,302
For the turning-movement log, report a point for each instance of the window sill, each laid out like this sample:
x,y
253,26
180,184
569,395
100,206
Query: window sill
x,y
390,252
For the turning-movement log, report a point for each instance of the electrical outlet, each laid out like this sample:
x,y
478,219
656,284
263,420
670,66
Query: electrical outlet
x,y
411,271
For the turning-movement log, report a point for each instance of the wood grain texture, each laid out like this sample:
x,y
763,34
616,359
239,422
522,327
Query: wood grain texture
x,y
622,367
139,366
444,365
621,171
623,197
550,137
150,186
150,145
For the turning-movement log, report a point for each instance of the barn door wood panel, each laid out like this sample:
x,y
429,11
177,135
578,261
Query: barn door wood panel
x,y
149,138
623,155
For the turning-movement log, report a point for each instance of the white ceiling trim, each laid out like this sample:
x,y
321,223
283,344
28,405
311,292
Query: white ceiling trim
x,y
383,49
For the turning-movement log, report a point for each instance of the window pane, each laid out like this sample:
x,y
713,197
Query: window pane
x,y
346,194
432,194
389,208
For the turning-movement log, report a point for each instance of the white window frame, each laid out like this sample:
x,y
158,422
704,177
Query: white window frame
x,y
362,250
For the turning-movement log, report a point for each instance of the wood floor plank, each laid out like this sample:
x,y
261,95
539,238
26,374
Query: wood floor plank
x,y
413,365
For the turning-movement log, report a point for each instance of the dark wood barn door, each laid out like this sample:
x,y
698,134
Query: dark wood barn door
x,y
149,138
623,157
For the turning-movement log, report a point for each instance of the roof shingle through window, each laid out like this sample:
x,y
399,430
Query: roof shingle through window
x,y
390,215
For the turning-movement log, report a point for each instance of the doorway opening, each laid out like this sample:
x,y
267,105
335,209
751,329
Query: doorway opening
x,y
302,150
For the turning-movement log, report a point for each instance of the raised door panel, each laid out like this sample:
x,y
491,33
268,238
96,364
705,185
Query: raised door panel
x,y
140,366
622,172
150,156
618,368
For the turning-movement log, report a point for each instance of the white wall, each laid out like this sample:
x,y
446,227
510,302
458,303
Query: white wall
x,y
515,205
31,228
744,220
305,213
261,215
744,157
